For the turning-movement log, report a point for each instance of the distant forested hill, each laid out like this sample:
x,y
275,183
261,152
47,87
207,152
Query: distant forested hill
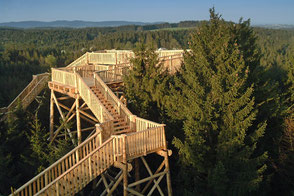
x,y
70,24
82,24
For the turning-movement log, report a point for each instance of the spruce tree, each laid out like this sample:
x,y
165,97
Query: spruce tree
x,y
145,83
213,95
14,151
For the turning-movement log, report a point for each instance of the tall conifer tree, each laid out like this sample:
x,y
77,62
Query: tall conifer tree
x,y
145,83
213,95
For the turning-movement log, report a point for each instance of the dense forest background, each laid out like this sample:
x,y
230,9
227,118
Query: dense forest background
x,y
32,51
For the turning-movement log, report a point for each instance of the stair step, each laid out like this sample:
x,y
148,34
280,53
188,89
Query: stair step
x,y
120,123
122,127
122,131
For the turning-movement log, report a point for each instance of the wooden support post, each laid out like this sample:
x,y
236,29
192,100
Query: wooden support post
x,y
150,181
119,178
168,178
151,174
105,183
76,80
125,171
62,116
51,115
78,121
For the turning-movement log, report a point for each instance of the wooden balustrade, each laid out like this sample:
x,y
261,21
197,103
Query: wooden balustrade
x,y
92,101
97,160
114,75
31,91
63,77
145,142
75,170
143,124
102,58
60,167
88,168
122,110
83,60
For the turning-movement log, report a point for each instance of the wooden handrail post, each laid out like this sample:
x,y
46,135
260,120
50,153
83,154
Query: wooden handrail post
x,y
125,161
101,115
78,121
87,57
118,108
168,178
95,79
99,131
51,116
76,79
133,122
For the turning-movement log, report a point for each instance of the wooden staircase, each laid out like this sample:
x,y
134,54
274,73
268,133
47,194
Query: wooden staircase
x,y
120,123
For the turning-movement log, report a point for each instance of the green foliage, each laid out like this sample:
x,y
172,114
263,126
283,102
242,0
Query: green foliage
x,y
145,83
51,61
15,167
213,95
45,153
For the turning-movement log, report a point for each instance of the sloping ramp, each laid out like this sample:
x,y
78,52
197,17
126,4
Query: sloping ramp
x,y
27,96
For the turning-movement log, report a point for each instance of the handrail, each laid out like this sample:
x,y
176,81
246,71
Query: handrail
x,y
35,91
116,102
28,89
104,156
143,124
103,58
145,142
63,77
92,100
63,164
79,60
170,56
113,75
83,161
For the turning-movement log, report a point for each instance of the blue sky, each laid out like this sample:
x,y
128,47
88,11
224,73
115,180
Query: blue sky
x,y
259,11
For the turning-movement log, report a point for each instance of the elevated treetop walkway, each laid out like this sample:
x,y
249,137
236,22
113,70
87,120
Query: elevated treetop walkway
x,y
107,134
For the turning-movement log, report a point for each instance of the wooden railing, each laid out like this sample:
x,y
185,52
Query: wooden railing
x,y
102,58
145,142
165,53
88,168
143,124
114,75
80,61
63,76
121,109
97,160
87,71
92,101
60,167
30,92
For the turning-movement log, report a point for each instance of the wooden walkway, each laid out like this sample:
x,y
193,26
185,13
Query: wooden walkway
x,y
120,137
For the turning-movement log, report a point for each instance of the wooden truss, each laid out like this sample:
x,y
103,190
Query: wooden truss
x,y
67,113
110,180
